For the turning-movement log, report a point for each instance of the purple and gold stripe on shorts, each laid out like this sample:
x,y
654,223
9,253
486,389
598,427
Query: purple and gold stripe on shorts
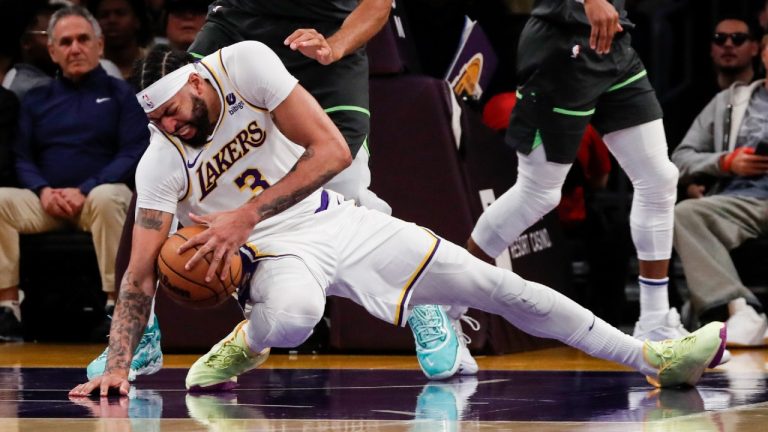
x,y
323,202
405,294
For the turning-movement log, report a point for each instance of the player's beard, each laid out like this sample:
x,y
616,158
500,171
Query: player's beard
x,y
200,122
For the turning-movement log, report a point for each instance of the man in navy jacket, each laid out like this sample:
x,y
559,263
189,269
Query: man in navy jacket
x,y
79,140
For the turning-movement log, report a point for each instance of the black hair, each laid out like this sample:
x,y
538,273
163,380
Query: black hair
x,y
139,9
753,27
159,62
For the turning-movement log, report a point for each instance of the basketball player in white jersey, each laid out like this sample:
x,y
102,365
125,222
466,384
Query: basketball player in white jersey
x,y
239,146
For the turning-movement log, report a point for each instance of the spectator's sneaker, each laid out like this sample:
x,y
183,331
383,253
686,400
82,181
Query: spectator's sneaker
x,y
10,325
218,369
437,346
467,365
147,359
746,328
667,327
682,361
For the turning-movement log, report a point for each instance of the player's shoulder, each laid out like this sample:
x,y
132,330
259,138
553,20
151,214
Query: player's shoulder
x,y
248,47
164,146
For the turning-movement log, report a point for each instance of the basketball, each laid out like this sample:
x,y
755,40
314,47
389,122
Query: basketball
x,y
188,287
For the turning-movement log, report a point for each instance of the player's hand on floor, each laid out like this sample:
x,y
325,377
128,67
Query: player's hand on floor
x,y
103,383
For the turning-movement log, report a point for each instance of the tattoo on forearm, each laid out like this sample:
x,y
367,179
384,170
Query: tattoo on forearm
x,y
283,202
150,219
128,324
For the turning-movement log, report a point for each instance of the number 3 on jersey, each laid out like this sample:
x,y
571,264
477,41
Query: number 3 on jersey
x,y
252,178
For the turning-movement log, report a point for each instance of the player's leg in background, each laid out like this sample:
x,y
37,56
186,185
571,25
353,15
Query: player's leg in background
x,y
536,192
642,153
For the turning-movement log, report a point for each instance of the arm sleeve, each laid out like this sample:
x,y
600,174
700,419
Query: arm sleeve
x,y
132,136
27,171
696,154
259,75
161,178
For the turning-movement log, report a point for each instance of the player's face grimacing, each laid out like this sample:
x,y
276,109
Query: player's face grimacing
x,y
186,116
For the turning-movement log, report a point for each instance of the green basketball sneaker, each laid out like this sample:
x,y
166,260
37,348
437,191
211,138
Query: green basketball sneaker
x,y
682,361
218,369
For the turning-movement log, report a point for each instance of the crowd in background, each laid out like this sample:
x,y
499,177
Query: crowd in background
x,y
130,27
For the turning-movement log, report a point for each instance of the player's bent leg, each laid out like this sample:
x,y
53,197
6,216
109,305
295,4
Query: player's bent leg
x,y
455,276
287,302
536,192
147,359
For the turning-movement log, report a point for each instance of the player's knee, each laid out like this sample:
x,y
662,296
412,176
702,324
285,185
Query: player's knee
x,y
541,195
523,296
294,325
659,183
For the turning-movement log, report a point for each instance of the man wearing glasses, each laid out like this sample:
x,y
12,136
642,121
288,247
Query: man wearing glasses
x,y
733,50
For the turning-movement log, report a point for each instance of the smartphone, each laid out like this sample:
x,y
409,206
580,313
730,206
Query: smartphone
x,y
762,148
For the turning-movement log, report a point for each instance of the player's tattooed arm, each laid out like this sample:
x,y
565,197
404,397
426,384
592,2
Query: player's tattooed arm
x,y
131,315
150,219
282,202
136,289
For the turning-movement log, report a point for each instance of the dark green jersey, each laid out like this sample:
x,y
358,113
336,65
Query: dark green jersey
x,y
571,12
310,10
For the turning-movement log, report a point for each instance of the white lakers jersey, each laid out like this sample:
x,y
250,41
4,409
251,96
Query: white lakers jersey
x,y
244,155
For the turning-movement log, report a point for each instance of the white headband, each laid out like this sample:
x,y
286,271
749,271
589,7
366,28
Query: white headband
x,y
165,88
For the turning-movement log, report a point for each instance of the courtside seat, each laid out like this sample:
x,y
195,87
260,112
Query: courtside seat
x,y
62,287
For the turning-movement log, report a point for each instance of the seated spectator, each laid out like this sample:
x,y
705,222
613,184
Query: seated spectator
x,y
36,67
183,21
126,28
78,142
9,112
733,49
728,190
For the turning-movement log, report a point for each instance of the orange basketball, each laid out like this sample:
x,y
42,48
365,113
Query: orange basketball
x,y
189,287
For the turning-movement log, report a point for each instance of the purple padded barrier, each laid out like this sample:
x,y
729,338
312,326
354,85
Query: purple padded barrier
x,y
415,168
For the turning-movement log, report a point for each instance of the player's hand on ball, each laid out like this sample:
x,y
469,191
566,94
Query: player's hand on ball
x,y
103,384
226,232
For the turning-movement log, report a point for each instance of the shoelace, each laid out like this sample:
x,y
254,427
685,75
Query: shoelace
x,y
667,349
226,356
472,323
428,325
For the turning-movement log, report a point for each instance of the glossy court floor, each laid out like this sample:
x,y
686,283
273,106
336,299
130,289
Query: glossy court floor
x,y
555,389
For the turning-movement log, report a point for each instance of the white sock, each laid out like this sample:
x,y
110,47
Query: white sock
x,y
13,305
654,298
609,343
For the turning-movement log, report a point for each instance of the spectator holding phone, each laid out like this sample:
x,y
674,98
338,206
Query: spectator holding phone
x,y
724,159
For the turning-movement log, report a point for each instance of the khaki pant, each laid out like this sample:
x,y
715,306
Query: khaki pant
x,y
103,215
706,230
